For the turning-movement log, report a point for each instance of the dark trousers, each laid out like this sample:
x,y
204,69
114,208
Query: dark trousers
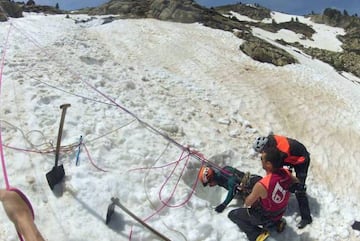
x,y
248,221
301,174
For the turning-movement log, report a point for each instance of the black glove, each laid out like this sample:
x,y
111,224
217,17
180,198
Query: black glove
x,y
220,208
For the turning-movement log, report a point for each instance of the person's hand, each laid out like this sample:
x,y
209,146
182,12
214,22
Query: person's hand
x,y
14,206
20,214
220,208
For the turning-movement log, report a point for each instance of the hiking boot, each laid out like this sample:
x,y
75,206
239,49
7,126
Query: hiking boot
x,y
304,222
264,235
280,225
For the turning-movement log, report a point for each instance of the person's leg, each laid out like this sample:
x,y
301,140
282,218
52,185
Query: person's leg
x,y
301,174
302,170
304,208
246,222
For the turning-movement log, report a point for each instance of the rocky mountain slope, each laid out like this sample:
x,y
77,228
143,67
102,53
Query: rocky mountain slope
x,y
188,11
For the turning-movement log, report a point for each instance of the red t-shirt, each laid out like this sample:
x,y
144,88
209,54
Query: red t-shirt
x,y
277,185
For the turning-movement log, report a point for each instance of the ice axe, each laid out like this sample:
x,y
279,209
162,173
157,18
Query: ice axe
x,y
111,211
57,173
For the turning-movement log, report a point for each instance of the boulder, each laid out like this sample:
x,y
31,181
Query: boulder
x,y
9,9
262,51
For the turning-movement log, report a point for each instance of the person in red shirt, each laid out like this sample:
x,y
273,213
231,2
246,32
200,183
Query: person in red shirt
x,y
267,202
295,156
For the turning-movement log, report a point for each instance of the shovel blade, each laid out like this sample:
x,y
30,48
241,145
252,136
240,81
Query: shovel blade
x,y
55,176
356,225
110,212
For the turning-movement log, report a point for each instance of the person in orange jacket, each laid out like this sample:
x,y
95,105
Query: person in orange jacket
x,y
295,156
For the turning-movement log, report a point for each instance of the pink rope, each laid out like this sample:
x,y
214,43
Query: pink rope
x,y
3,163
167,200
26,200
157,167
1,143
166,203
88,154
195,154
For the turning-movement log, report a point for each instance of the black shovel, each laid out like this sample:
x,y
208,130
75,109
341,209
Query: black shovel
x,y
57,173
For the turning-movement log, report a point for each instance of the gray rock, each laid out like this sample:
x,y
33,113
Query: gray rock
x,y
263,51
11,9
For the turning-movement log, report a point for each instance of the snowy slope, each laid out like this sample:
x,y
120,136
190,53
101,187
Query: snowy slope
x,y
185,80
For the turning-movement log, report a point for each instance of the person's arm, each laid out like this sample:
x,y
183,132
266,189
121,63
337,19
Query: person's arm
x,y
257,192
296,185
232,184
20,214
294,179
229,197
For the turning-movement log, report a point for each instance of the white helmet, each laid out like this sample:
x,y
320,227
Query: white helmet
x,y
259,143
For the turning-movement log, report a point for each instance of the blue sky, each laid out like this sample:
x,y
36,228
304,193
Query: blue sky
x,y
71,4
300,7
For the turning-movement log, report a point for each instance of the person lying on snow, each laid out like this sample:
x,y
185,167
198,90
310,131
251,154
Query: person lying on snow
x,y
238,183
265,199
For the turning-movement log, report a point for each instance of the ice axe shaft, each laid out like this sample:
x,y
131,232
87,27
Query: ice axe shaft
x,y
57,173
111,209
63,107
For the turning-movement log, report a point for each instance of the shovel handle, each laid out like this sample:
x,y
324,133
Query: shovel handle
x,y
63,107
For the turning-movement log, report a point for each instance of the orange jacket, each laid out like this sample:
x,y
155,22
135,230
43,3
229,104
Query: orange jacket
x,y
283,145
